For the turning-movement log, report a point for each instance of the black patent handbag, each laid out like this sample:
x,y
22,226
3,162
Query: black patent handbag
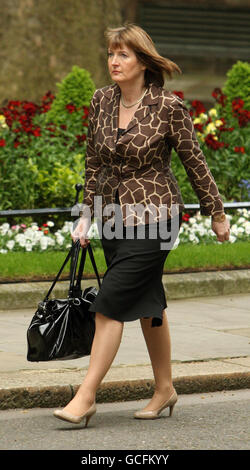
x,y
63,329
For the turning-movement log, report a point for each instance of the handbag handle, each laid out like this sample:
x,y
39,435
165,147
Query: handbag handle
x,y
75,289
81,267
72,249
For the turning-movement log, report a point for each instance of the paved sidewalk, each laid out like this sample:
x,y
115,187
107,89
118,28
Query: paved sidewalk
x,y
210,352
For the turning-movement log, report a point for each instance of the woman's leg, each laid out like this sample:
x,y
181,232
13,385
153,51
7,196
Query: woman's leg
x,y
107,339
159,349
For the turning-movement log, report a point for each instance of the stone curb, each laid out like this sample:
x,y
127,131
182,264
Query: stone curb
x,y
177,286
115,391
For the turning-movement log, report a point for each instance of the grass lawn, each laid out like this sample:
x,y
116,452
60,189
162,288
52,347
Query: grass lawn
x,y
185,258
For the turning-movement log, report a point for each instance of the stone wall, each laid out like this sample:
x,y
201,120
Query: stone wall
x,y
42,39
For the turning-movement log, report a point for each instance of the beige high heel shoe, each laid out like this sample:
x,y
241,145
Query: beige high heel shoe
x,y
155,413
66,416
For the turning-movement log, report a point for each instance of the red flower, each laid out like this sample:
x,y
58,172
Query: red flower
x,y
45,108
45,225
81,138
30,108
2,143
198,127
180,94
237,104
219,96
198,106
51,129
213,143
185,217
243,115
71,108
48,97
239,149
16,144
244,118
86,111
13,104
37,132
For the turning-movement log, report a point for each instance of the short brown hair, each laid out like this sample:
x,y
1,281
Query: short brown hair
x,y
140,42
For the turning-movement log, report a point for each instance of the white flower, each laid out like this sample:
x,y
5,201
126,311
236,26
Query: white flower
x,y
243,211
193,238
202,231
60,239
2,251
207,223
50,223
234,229
43,243
20,239
50,241
10,244
28,246
67,227
241,220
4,228
246,225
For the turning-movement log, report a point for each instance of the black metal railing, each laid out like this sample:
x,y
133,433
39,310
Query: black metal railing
x,y
79,187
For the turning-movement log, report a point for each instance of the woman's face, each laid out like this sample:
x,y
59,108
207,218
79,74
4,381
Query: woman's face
x,y
124,67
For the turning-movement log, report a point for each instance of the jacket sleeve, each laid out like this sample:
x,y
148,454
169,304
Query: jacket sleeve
x,y
183,138
92,160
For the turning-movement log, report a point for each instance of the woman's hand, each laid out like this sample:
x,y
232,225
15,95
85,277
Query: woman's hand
x,y
81,230
221,229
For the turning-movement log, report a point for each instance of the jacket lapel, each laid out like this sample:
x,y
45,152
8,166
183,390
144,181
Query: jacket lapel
x,y
113,94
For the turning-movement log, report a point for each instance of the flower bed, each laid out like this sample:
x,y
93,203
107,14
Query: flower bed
x,y
194,230
50,156
224,140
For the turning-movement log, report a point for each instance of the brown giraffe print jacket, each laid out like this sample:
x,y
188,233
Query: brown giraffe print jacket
x,y
138,164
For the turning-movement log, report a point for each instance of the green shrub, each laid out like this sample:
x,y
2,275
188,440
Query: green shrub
x,y
74,92
237,85
41,160
224,140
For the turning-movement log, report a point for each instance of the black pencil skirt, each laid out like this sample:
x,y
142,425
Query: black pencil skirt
x,y
132,284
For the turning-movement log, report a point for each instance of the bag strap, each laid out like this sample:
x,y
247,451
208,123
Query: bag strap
x,y
74,250
82,262
73,267
91,255
61,269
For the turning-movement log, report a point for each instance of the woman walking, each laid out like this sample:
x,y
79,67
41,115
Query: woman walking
x,y
133,125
